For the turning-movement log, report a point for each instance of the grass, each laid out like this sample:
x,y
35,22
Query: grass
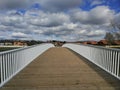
x,y
7,48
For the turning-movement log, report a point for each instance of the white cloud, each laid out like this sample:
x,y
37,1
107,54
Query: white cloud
x,y
19,35
96,2
51,5
11,20
117,18
14,4
96,33
48,19
58,5
98,15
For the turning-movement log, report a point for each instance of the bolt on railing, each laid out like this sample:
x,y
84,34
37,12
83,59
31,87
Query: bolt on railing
x,y
13,61
106,58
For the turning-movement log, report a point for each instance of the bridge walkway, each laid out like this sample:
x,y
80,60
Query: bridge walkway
x,y
62,69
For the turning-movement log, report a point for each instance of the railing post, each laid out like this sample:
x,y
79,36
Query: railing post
x,y
118,66
1,69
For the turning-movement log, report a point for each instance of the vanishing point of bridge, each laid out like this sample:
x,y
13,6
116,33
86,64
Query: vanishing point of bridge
x,y
60,68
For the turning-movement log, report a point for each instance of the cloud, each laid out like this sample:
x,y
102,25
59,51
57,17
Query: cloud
x,y
117,18
19,35
58,19
96,33
11,20
116,22
97,15
50,5
14,4
96,2
58,5
48,19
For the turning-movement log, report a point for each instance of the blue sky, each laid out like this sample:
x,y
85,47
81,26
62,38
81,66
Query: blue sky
x,y
113,4
68,20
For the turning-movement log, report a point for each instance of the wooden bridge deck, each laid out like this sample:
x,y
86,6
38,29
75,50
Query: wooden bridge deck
x,y
62,69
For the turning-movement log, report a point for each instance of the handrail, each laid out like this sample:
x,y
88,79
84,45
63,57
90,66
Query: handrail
x,y
18,49
13,61
106,58
115,49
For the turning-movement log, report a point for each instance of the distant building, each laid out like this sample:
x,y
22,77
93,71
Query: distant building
x,y
84,43
8,43
103,42
2,44
117,42
19,43
90,42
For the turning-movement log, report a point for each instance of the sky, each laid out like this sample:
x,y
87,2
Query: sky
x,y
65,20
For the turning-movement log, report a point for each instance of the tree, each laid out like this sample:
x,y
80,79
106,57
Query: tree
x,y
109,37
117,36
115,24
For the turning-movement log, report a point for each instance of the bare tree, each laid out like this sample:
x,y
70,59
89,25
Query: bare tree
x,y
117,36
116,26
109,37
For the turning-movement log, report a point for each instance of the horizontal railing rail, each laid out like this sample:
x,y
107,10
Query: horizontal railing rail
x,y
13,61
106,58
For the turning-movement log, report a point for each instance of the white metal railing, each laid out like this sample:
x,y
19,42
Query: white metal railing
x,y
106,58
12,62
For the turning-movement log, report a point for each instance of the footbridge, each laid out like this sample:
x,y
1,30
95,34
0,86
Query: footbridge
x,y
71,67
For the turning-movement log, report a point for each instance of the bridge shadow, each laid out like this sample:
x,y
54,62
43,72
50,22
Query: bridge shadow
x,y
111,80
